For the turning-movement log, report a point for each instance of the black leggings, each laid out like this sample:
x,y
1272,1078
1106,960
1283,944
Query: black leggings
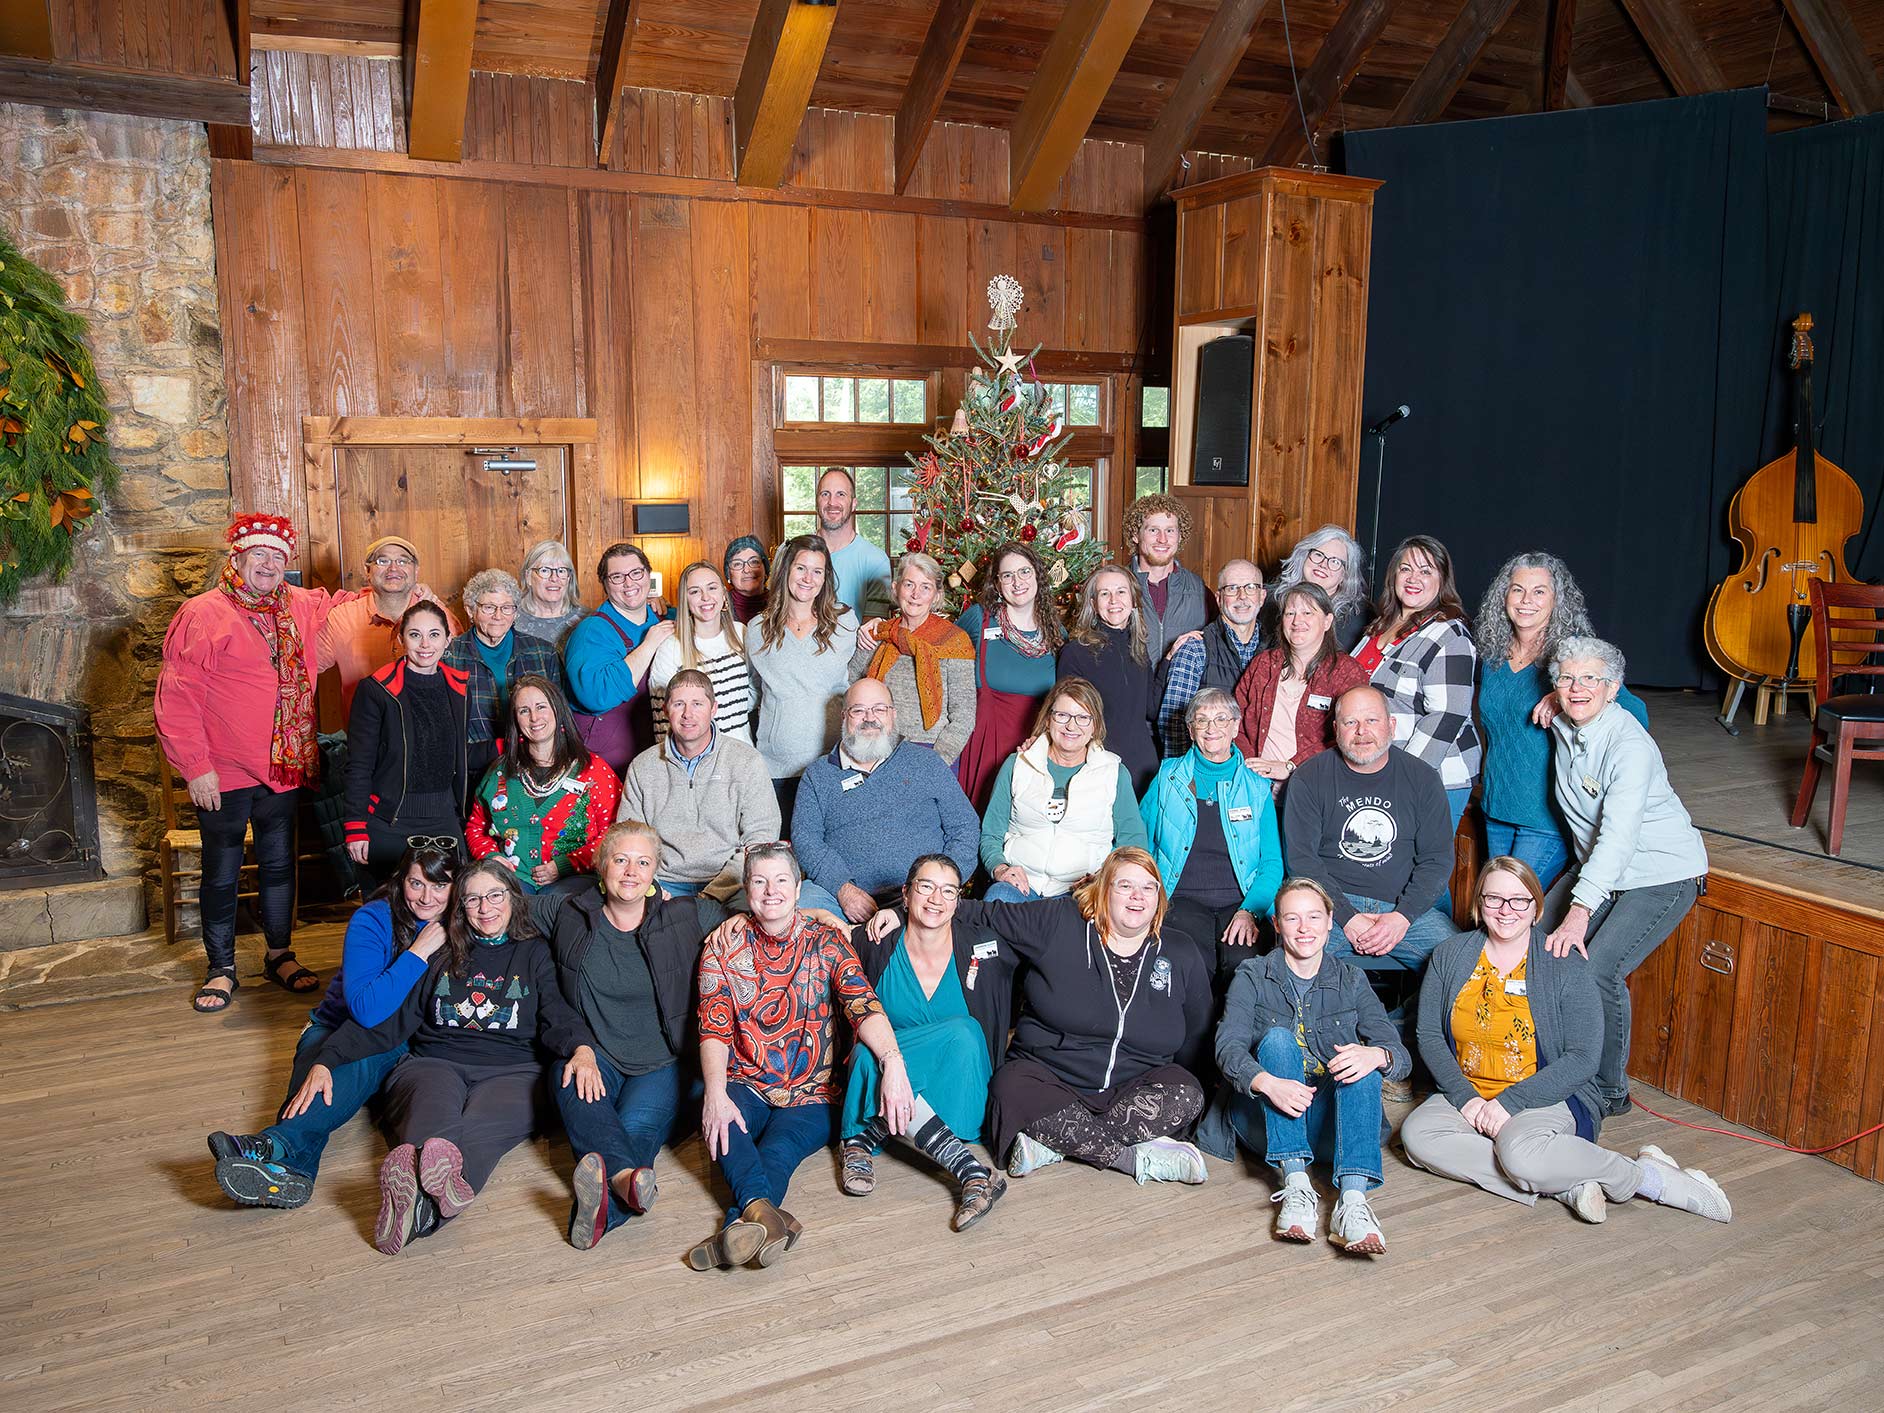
x,y
486,1112
271,815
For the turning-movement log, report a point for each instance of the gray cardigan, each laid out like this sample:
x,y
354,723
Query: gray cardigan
x,y
957,721
1564,1007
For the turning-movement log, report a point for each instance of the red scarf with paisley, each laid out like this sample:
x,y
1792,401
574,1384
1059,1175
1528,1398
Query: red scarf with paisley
x,y
293,752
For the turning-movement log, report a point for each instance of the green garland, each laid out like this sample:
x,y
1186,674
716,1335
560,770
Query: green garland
x,y
53,461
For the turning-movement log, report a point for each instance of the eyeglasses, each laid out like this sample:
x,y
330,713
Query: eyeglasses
x,y
385,561
868,713
552,571
1331,561
1232,591
927,888
1071,718
480,901
751,561
1015,576
1492,903
504,609
445,843
1215,721
632,576
1589,681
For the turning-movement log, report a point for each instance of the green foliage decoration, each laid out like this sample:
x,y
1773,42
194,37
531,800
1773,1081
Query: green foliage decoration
x,y
54,465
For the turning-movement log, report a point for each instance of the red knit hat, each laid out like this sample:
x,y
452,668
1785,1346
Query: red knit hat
x,y
248,531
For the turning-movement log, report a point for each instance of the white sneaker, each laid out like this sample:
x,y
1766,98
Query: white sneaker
x,y
1167,1160
1298,1212
1354,1228
1690,1189
1030,1155
1587,1201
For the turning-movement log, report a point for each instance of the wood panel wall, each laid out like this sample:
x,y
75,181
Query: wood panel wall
x,y
186,37
358,282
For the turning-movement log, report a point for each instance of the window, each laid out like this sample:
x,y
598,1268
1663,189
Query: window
x,y
1155,408
1151,481
1078,403
827,398
883,504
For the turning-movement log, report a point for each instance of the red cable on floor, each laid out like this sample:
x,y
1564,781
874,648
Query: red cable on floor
x,y
1763,1142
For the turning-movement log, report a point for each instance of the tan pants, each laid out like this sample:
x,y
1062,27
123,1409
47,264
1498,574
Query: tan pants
x,y
1537,1153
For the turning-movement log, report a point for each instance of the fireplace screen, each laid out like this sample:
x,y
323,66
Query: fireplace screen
x,y
48,806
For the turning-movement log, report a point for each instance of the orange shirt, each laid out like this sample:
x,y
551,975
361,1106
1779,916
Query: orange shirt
x,y
359,642
1493,1034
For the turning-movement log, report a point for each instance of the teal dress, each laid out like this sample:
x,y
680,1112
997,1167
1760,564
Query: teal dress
x,y
943,1048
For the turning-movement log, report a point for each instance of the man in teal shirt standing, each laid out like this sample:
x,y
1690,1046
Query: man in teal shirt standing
x,y
863,570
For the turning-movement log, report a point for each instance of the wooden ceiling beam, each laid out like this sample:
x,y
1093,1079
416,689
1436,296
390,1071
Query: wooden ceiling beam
x,y
1838,51
1558,41
611,67
1070,82
782,62
438,39
26,28
1198,89
1337,61
1433,87
98,89
236,140
1676,46
929,81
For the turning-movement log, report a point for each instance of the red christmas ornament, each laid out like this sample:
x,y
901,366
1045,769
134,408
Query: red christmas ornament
x,y
1028,533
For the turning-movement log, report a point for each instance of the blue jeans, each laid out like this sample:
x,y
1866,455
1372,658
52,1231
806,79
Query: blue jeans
x,y
760,1161
1543,849
1405,962
628,1125
301,1141
1456,801
810,896
1007,893
1342,1124
679,887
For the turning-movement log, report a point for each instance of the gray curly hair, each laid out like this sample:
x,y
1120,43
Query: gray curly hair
x,y
491,581
1568,617
1352,598
1584,648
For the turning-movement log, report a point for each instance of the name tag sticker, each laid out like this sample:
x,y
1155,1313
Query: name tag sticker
x,y
1591,786
1514,988
853,781
1318,702
1241,814
989,948
992,633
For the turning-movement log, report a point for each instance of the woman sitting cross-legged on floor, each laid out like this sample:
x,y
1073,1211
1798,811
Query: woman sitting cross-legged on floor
x,y
388,943
770,986
948,991
479,1025
1513,1035
1102,1066
627,958
1303,1046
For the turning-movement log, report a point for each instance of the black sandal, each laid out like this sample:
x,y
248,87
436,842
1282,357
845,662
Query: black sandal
x,y
211,999
272,969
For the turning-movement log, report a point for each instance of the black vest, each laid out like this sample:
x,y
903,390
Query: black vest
x,y
1222,666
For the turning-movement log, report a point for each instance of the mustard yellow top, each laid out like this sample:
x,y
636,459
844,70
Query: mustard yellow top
x,y
1492,1033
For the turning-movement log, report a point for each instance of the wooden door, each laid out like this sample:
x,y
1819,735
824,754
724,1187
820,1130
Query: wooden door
x,y
461,517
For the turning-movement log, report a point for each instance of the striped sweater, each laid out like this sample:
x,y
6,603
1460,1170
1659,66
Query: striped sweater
x,y
725,663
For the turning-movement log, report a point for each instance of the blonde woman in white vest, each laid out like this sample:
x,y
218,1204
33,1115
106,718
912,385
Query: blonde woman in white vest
x,y
1060,804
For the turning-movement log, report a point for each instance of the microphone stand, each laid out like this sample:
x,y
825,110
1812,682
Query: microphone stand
x,y
1380,471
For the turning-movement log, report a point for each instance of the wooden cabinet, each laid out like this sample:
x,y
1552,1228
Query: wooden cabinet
x,y
1282,255
1765,1008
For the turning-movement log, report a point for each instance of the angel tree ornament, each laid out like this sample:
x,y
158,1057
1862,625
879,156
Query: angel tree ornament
x,y
999,473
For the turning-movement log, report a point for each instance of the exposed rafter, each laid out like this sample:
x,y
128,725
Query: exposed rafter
x,y
929,81
1558,41
1070,83
1676,46
1198,89
1432,89
618,35
438,39
235,140
782,62
105,90
1838,51
1336,62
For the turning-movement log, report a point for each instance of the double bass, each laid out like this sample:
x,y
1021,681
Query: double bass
x,y
1792,519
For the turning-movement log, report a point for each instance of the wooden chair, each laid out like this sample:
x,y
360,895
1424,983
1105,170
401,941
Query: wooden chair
x,y
1845,621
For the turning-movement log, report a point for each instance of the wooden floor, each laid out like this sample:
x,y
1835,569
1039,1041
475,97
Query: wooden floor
x,y
129,1284
1740,792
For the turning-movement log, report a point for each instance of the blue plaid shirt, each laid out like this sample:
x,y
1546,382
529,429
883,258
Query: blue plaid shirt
x,y
1186,675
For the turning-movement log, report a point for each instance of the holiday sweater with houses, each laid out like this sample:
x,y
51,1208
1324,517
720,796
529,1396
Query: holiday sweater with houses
x,y
565,825
506,1010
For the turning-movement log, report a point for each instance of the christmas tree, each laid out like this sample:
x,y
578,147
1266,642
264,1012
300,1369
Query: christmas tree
x,y
997,474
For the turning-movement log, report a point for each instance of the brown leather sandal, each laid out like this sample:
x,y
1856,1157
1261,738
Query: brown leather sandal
x,y
859,1178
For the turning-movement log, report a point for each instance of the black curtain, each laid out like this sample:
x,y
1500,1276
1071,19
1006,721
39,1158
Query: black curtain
x,y
1575,305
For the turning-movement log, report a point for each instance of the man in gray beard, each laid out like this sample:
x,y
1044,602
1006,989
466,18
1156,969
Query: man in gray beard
x,y
872,807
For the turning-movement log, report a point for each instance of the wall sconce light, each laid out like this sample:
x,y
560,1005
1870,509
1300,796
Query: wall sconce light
x,y
660,518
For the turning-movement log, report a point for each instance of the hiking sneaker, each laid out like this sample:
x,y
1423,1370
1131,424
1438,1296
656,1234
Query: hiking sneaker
x,y
1167,1160
1690,1189
247,1173
1354,1228
1030,1155
441,1173
1297,1211
398,1199
1587,1201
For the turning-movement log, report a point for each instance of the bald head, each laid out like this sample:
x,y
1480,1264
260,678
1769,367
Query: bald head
x,y
1240,595
869,722
1363,728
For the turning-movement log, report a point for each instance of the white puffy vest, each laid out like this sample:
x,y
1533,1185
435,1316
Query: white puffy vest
x,y
1056,853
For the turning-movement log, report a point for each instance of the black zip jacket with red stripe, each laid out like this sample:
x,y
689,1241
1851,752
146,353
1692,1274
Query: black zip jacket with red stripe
x,y
379,748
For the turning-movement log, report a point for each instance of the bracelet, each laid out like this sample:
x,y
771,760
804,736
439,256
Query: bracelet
x,y
893,1055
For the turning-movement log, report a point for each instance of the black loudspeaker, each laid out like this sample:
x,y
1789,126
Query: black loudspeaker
x,y
1226,376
